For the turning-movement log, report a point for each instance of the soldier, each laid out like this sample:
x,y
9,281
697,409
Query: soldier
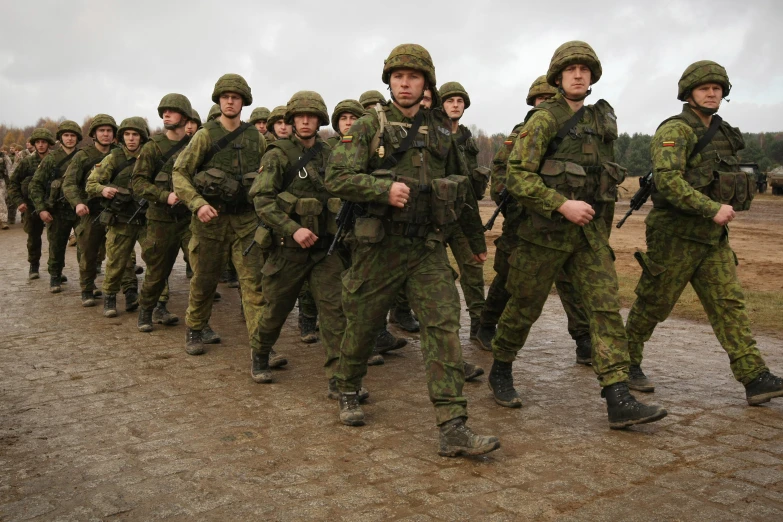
x,y
3,190
426,100
193,124
277,124
212,177
561,170
259,118
370,99
498,296
345,113
123,213
399,241
90,233
214,112
455,100
699,188
42,140
47,196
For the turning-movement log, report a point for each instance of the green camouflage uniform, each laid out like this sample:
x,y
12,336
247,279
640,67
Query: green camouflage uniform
x,y
229,233
18,192
3,190
402,254
551,244
684,244
287,203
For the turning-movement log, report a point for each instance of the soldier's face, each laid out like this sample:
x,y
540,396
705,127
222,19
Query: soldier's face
x,y
104,135
132,140
407,86
707,95
172,119
426,100
30,148
345,121
191,127
230,104
306,125
541,98
69,139
282,129
261,126
41,146
454,107
575,80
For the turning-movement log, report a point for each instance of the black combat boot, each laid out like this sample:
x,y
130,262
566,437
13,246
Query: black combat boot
x,y
501,382
456,440
638,381
144,323
386,342
63,279
763,388
209,336
472,370
351,413
232,281
193,342
259,369
475,324
110,305
334,394
484,336
88,299
33,272
131,300
403,317
161,315
276,360
139,270
217,297
55,283
307,328
624,410
584,350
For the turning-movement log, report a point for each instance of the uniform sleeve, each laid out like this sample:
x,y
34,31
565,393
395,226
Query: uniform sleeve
x,y
99,177
469,219
15,183
40,180
265,189
185,168
670,148
72,180
144,172
524,162
346,174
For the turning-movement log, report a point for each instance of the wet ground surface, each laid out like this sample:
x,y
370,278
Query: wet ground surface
x,y
100,422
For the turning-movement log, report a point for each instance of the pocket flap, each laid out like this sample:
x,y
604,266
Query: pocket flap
x,y
270,268
162,177
552,168
309,207
648,265
287,202
334,204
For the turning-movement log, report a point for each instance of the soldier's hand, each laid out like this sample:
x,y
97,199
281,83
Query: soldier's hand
x,y
172,199
108,192
206,213
305,237
399,194
480,258
82,210
724,215
577,212
45,216
22,207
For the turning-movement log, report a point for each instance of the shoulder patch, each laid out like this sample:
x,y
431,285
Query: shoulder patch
x,y
346,139
668,144
523,134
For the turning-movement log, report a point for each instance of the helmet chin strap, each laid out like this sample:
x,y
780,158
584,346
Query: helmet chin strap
x,y
417,102
578,99
704,110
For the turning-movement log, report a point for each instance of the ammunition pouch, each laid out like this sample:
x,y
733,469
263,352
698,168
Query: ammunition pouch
x,y
567,178
55,198
248,179
214,184
479,179
447,199
309,211
286,202
369,230
263,237
734,188
611,176
163,181
107,218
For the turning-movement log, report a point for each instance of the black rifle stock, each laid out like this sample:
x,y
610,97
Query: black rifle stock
x,y
346,217
504,196
640,198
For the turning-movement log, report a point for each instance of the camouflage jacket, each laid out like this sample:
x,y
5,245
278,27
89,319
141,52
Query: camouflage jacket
x,y
47,173
105,173
20,180
468,149
512,216
153,181
75,178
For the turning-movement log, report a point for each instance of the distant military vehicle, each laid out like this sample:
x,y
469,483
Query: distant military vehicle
x,y
775,178
761,178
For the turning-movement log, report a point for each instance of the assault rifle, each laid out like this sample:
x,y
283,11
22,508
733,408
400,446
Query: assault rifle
x,y
504,196
346,218
261,224
640,198
142,205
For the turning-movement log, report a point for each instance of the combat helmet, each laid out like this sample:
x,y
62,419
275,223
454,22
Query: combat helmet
x,y
194,116
699,73
214,112
69,126
175,102
232,83
99,121
410,56
42,133
540,87
451,89
371,98
349,106
306,102
570,53
259,114
136,123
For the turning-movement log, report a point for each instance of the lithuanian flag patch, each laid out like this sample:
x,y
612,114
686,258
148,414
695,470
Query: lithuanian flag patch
x,y
346,139
668,144
523,134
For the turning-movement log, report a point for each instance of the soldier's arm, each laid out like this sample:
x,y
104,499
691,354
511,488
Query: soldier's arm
x,y
99,177
72,179
144,172
40,179
185,168
346,174
469,219
670,148
15,184
265,189
522,179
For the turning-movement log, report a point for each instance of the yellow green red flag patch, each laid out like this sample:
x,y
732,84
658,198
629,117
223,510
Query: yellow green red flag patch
x,y
668,144
347,139
523,134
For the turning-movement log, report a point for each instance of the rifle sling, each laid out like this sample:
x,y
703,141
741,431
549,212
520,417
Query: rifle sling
x,y
393,159
65,159
124,164
304,159
707,138
173,150
563,132
224,141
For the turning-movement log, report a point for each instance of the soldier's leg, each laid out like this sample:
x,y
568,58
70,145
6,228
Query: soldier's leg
x,y
207,255
159,250
497,295
282,282
326,285
578,322
90,238
307,304
3,204
249,275
57,232
129,281
34,228
471,277
716,284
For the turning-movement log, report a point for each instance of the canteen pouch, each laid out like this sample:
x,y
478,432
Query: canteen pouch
x,y
368,230
734,188
214,183
263,237
567,178
463,185
444,199
55,192
309,210
611,176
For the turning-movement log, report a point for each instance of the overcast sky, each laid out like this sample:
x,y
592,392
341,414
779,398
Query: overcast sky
x,y
75,58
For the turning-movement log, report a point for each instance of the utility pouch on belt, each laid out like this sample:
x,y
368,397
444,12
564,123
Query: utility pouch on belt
x,y
248,179
263,237
380,209
309,210
734,188
567,178
611,176
333,208
214,183
163,181
368,230
107,219
55,192
286,202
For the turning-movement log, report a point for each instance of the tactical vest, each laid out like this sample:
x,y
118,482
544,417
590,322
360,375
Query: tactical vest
x,y
122,177
31,164
94,156
715,170
54,194
225,179
162,179
469,149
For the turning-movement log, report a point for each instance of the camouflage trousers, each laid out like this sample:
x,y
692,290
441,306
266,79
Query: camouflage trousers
x,y
307,306
283,280
11,209
669,264
533,270
471,272
159,249
377,275
498,296
34,228
58,232
120,273
90,238
3,204
210,244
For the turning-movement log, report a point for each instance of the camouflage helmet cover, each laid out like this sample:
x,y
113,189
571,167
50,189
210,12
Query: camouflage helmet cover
x,y
349,106
232,83
69,126
194,116
99,121
540,87
214,112
570,53
278,113
306,102
136,123
451,89
41,133
410,56
259,114
175,102
371,98
699,73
